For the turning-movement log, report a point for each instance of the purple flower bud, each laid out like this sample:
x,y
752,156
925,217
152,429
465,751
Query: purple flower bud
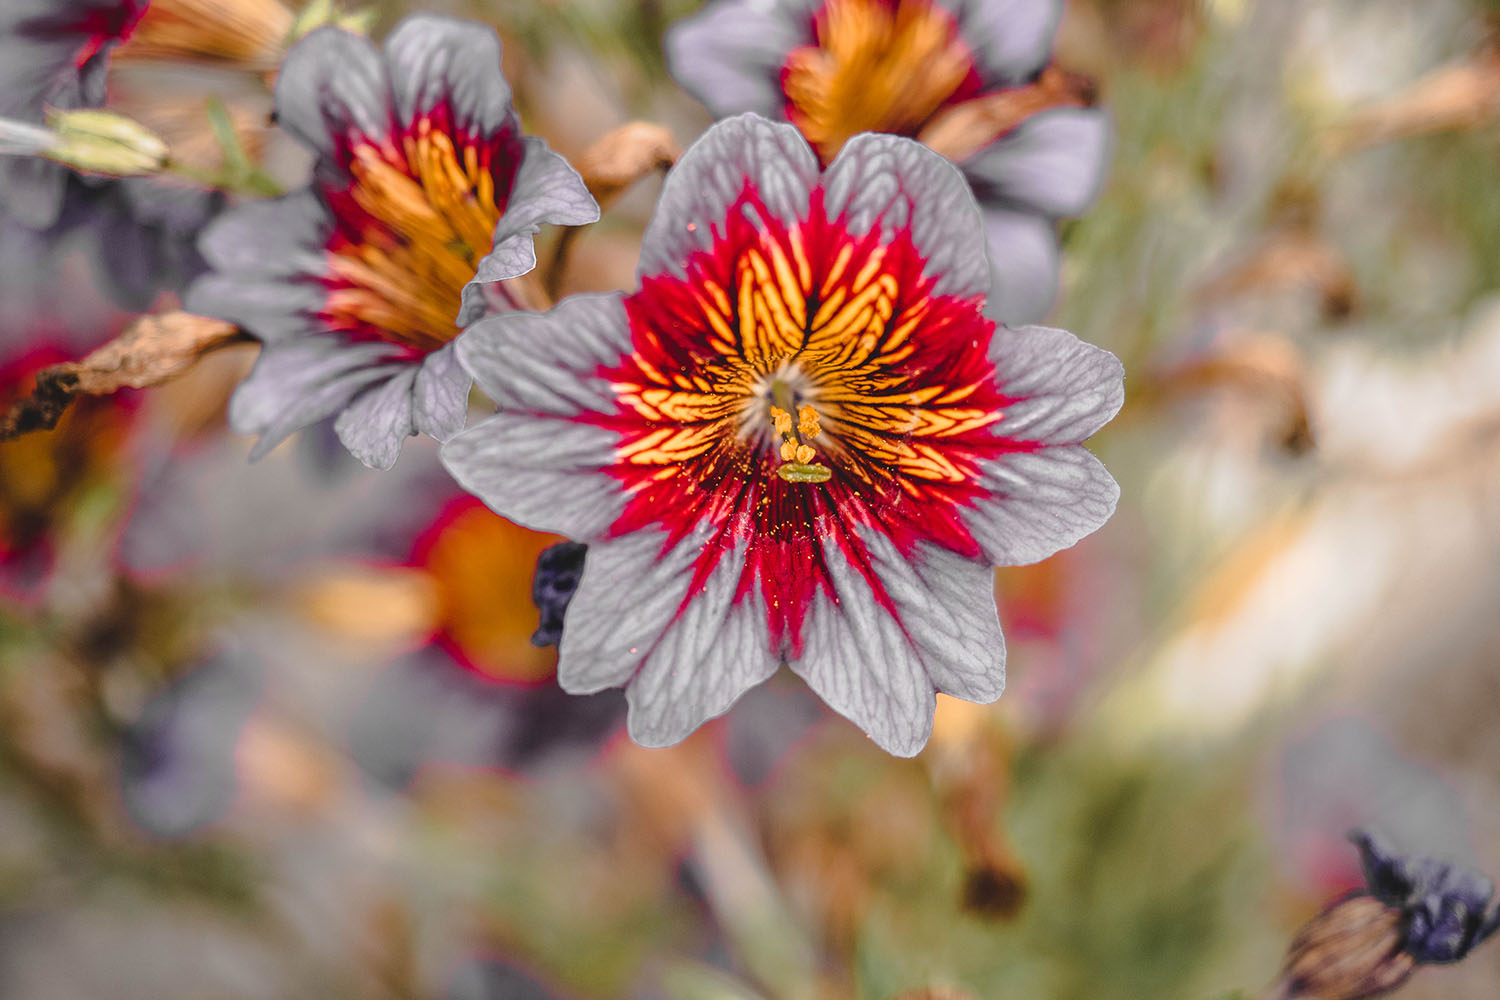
x,y
558,571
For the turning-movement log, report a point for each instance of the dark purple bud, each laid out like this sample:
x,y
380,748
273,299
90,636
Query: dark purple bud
x,y
1444,905
558,570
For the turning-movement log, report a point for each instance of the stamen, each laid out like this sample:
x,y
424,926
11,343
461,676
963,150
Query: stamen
x,y
795,452
424,213
877,66
807,424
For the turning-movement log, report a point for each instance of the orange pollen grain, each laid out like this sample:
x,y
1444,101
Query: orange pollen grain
x,y
433,215
878,67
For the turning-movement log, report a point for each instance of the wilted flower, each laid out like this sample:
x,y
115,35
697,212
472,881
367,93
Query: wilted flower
x,y
44,475
426,195
800,441
970,78
1414,911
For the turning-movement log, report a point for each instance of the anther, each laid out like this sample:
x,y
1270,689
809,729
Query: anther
x,y
807,422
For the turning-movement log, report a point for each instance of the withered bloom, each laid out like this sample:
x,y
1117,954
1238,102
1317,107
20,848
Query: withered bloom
x,y
801,441
1413,911
969,78
425,198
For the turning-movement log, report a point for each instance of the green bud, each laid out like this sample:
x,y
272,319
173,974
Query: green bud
x,y
104,142
322,12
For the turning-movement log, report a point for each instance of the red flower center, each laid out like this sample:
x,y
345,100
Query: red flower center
x,y
799,385
411,223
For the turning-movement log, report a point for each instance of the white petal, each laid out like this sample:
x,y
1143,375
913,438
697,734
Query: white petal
x,y
542,472
549,362
893,183
378,421
1039,503
298,382
1023,252
1063,388
711,176
1053,162
440,400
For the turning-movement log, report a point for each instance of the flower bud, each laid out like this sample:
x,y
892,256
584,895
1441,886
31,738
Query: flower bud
x,y
104,142
558,571
1350,951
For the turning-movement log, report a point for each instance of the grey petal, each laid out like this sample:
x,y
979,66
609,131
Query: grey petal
x,y
298,382
1063,389
896,183
710,177
440,402
1023,252
268,259
31,189
333,82
1054,162
542,472
1040,502
377,422
270,309
858,660
436,59
730,54
946,605
631,589
714,649
279,237
682,660
1011,39
548,363
546,190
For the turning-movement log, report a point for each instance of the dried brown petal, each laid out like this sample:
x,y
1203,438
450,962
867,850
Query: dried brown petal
x,y
625,156
152,350
962,130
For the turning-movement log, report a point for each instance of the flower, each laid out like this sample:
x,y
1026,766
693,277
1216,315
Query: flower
x,y
425,196
1443,905
800,441
1414,911
970,78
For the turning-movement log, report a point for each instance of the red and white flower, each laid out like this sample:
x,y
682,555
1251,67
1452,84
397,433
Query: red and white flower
x,y
971,79
800,441
424,198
